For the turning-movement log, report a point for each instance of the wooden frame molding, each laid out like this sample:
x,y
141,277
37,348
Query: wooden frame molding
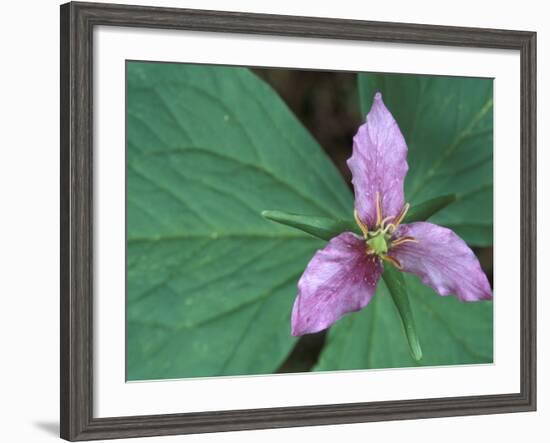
x,y
77,24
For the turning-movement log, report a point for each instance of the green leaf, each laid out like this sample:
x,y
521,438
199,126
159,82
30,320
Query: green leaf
x,y
425,210
447,123
210,283
321,227
398,290
451,332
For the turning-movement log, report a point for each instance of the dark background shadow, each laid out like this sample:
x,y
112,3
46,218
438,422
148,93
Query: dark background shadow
x,y
49,427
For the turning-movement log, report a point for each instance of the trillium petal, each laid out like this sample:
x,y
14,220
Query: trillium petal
x,y
339,279
378,164
442,260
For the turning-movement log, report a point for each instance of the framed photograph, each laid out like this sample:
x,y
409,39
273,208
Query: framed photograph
x,y
273,221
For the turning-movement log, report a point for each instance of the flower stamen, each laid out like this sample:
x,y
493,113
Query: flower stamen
x,y
402,215
362,226
378,242
389,228
402,240
391,260
378,209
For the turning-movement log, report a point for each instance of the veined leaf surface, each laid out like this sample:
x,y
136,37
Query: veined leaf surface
x,y
210,282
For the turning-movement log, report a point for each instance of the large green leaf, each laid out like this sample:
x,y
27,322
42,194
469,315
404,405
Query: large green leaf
x,y
210,282
447,123
449,331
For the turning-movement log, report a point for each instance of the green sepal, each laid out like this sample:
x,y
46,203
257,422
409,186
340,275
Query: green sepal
x,y
325,228
425,210
322,227
398,290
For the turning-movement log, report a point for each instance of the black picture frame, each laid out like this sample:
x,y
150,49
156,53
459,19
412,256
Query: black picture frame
x,y
77,23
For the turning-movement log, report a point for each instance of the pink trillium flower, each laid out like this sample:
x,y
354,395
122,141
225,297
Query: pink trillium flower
x,y
342,277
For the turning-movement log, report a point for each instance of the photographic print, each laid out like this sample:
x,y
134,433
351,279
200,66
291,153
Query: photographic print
x,y
289,221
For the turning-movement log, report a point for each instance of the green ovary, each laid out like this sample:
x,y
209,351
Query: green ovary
x,y
378,243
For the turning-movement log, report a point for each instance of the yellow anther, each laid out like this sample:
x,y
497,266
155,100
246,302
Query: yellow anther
x,y
402,215
402,240
362,226
378,209
391,260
